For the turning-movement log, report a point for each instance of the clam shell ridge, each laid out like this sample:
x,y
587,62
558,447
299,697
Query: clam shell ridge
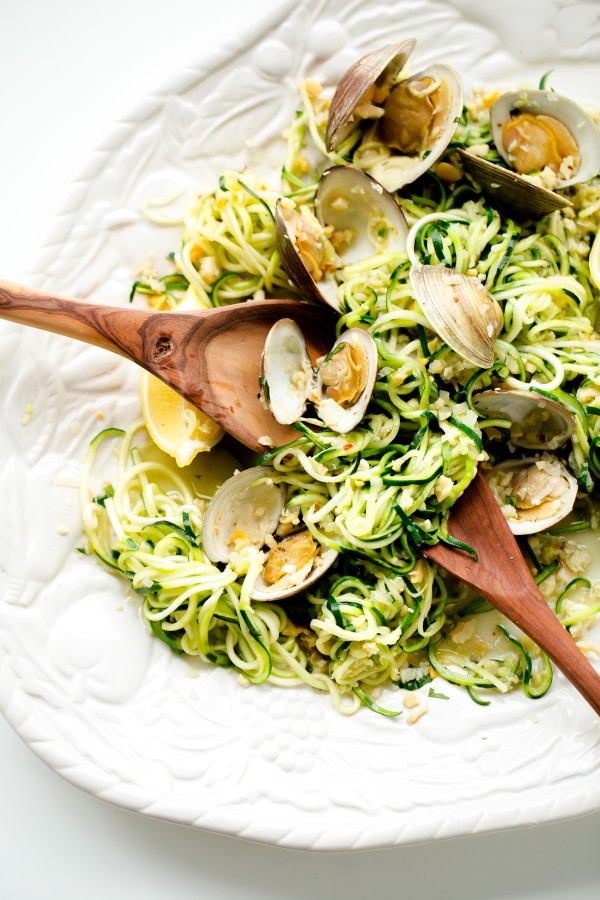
x,y
507,190
460,310
380,66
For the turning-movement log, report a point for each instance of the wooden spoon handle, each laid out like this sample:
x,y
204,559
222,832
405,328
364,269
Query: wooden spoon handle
x,y
501,575
542,626
103,326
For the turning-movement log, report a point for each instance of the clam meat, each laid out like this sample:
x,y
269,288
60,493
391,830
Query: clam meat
x,y
345,380
306,254
418,122
363,88
534,494
245,524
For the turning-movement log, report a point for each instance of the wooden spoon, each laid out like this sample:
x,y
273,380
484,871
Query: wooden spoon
x,y
501,575
211,357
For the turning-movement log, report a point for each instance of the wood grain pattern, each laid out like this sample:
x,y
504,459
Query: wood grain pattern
x,y
501,575
211,357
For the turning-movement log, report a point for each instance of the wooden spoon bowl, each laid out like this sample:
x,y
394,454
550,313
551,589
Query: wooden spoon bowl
x,y
211,357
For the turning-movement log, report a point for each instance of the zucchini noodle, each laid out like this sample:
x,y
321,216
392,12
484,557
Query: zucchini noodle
x,y
382,614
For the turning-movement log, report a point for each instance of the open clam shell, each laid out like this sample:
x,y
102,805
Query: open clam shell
x,y
410,158
361,211
305,256
246,508
505,187
286,372
243,517
346,379
551,106
376,69
341,387
460,310
360,216
534,494
302,578
538,422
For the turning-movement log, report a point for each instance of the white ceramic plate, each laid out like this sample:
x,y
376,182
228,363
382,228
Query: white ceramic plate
x,y
114,711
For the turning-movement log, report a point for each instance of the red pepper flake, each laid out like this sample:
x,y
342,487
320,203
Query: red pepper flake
x,y
348,446
456,299
317,506
231,409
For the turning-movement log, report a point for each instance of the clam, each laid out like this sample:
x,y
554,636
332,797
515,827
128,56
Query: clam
x,y
537,129
548,142
306,254
418,123
538,422
286,372
242,521
363,87
460,310
415,118
534,494
341,387
345,380
508,190
357,218
364,216
247,507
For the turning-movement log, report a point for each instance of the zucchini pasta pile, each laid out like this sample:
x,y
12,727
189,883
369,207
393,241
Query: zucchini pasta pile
x,y
382,615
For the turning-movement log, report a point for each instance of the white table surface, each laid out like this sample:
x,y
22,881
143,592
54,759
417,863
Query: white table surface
x,y
68,70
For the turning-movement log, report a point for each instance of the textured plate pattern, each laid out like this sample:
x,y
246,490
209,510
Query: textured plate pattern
x,y
113,711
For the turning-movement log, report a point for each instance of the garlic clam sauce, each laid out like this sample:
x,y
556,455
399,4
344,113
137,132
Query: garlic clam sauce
x,y
517,396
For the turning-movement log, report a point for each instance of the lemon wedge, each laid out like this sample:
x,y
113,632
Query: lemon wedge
x,y
595,261
177,427
190,301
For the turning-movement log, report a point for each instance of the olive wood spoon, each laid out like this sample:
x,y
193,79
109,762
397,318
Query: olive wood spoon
x,y
501,575
211,357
